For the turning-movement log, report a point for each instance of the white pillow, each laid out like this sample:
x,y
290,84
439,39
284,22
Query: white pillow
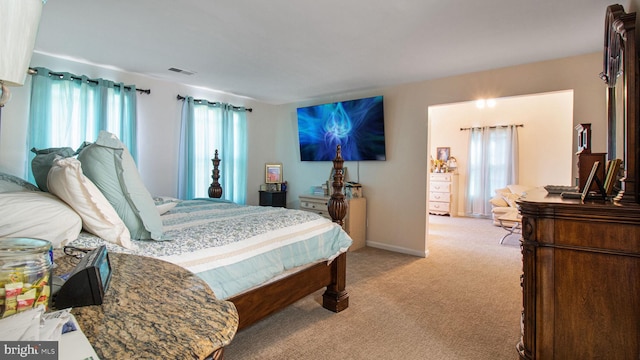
x,y
519,189
164,208
165,203
66,180
511,199
38,215
498,201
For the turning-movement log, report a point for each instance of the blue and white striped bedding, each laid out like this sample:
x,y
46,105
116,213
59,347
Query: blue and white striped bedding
x,y
237,247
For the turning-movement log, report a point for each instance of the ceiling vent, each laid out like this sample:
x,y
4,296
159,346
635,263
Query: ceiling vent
x,y
181,71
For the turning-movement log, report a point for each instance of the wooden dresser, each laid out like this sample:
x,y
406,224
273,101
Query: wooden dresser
x,y
443,189
581,279
355,223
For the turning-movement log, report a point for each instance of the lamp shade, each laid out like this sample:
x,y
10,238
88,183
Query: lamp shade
x,y
19,20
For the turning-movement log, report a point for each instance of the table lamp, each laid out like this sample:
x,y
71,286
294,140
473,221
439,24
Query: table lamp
x,y
19,20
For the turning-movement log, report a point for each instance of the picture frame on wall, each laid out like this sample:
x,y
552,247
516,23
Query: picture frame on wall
x,y
273,173
443,153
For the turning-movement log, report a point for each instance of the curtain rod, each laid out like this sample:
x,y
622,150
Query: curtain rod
x,y
180,97
33,71
490,127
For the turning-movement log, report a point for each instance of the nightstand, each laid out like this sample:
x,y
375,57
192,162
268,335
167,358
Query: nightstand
x,y
273,198
355,223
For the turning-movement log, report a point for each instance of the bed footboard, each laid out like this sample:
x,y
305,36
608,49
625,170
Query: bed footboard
x,y
258,303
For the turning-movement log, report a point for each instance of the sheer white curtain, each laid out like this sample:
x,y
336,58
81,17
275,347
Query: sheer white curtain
x,y
492,164
206,127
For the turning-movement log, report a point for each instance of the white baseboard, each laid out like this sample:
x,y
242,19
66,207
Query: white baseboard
x,y
398,249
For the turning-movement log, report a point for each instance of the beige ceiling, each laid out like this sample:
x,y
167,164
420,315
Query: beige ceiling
x,y
282,51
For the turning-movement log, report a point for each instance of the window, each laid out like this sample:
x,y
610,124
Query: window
x,y
67,110
207,127
493,164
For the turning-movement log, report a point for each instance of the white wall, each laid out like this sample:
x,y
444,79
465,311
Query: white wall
x,y
395,189
158,125
545,156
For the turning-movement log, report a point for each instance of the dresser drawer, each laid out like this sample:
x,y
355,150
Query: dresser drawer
x,y
438,196
313,205
445,177
439,207
440,186
323,213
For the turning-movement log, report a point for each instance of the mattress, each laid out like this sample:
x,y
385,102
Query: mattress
x,y
237,247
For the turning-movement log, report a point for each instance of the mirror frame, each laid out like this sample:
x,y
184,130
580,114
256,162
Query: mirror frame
x,y
621,65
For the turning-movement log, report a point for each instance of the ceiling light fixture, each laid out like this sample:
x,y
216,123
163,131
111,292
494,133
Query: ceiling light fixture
x,y
482,103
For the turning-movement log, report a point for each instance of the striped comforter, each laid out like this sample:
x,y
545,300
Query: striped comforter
x,y
237,247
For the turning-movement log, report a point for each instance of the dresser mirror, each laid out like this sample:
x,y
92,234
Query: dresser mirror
x,y
620,75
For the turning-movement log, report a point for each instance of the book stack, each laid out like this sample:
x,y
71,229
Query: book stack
x,y
317,190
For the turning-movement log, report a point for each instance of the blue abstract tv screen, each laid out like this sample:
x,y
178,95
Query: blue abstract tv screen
x,y
356,125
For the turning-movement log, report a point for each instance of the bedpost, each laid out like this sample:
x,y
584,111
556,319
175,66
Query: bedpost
x,y
215,190
337,205
336,297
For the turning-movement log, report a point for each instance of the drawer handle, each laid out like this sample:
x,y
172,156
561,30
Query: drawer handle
x,y
436,196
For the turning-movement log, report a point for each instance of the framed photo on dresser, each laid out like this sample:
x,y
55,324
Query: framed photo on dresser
x,y
443,153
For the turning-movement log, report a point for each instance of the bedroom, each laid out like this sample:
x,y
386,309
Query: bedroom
x,y
272,132
273,136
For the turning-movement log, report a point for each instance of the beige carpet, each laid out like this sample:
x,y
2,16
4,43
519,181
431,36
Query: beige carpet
x,y
461,302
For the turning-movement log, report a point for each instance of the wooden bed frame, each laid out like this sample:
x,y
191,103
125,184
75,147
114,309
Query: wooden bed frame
x,y
260,302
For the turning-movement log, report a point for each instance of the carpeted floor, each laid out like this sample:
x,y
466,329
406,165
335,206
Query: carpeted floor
x,y
461,302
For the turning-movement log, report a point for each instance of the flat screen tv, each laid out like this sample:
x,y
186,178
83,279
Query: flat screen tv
x,y
356,125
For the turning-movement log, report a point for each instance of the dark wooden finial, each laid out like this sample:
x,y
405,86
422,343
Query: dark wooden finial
x,y
215,190
337,204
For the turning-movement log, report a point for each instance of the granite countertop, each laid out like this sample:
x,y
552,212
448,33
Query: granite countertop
x,y
153,309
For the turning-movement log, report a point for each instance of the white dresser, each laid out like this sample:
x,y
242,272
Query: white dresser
x,y
355,223
443,199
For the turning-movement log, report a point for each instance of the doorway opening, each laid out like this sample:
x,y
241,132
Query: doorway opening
x,y
545,139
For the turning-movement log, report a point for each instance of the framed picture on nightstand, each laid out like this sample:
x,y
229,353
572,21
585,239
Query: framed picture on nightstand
x,y
273,173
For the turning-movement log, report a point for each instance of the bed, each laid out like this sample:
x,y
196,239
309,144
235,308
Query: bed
x,y
262,259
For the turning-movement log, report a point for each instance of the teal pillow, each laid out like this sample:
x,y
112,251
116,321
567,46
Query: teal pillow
x,y
109,165
42,163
